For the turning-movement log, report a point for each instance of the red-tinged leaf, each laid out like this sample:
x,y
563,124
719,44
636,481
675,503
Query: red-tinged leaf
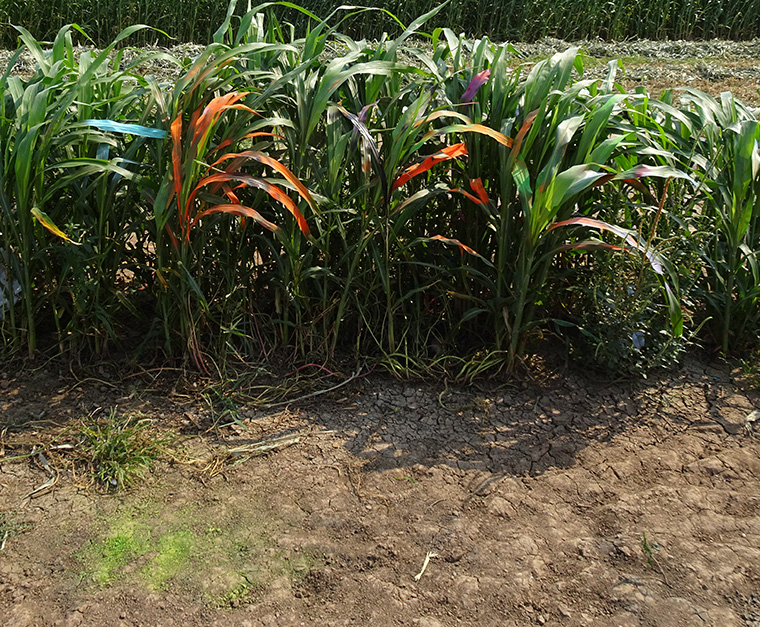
x,y
477,186
370,149
176,132
594,224
252,181
229,193
625,234
480,79
272,163
527,123
450,152
589,245
45,221
463,248
214,109
172,236
635,183
364,113
638,185
464,192
237,210
161,279
209,69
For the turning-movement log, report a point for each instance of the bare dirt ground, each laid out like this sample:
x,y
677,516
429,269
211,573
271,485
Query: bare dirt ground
x,y
556,499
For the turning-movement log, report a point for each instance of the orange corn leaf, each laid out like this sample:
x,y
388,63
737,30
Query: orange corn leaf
x,y
238,210
230,194
591,246
527,123
477,186
176,132
473,128
252,181
172,236
450,152
272,163
464,192
208,70
214,109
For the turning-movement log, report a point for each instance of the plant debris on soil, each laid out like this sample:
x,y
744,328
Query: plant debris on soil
x,y
557,499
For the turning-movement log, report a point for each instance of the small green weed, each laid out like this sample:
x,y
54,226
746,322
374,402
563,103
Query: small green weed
x,y
241,593
175,549
648,550
751,370
119,448
409,479
222,405
10,526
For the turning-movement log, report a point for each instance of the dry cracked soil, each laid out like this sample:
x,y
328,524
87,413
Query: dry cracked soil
x,y
555,499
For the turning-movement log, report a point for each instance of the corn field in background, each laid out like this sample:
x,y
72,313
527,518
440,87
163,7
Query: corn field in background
x,y
425,207
500,20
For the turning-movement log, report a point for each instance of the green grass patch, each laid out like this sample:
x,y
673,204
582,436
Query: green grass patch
x,y
119,448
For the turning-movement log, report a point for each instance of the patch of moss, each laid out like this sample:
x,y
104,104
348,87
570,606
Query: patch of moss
x,y
175,549
103,560
223,560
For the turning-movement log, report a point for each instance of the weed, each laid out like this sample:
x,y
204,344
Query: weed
x,y
119,448
751,370
157,546
118,550
623,321
649,550
10,526
409,479
240,593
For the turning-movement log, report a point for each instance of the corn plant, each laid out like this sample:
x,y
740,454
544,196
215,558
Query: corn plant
x,y
196,21
305,190
43,131
207,177
729,161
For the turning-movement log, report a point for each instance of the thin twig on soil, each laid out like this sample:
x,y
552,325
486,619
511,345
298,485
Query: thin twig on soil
x,y
356,375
